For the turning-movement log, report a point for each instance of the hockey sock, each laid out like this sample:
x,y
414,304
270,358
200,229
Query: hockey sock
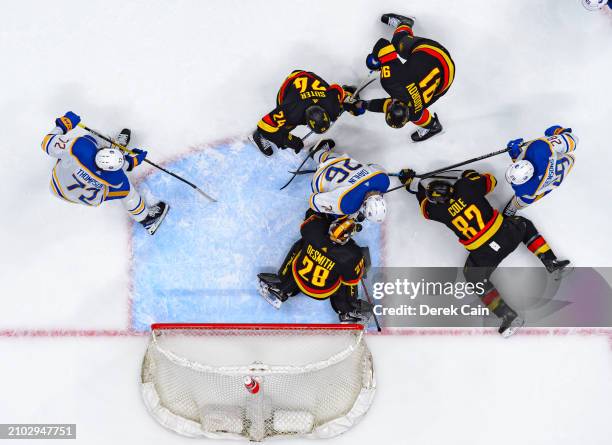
x,y
424,120
403,29
135,205
536,242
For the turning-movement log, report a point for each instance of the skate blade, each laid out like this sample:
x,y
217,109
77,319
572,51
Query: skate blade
x,y
271,299
252,141
559,275
153,228
517,324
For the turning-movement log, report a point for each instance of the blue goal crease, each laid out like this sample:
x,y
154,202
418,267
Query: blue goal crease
x,y
202,264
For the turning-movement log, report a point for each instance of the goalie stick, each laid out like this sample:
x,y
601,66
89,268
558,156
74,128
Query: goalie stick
x,y
364,84
127,150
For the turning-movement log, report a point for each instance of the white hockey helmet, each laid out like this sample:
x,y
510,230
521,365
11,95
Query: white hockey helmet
x,y
594,5
519,172
374,208
110,159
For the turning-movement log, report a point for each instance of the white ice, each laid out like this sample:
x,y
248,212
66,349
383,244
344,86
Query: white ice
x,y
186,73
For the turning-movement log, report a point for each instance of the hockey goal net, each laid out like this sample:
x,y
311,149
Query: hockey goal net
x,y
255,381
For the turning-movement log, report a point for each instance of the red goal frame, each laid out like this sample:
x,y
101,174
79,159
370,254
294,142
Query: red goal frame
x,y
261,326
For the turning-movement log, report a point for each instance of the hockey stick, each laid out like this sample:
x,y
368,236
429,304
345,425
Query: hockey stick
x,y
127,150
369,299
450,167
364,84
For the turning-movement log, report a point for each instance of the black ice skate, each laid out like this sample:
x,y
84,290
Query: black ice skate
x,y
361,313
424,133
395,20
156,215
269,289
558,268
264,145
124,137
511,323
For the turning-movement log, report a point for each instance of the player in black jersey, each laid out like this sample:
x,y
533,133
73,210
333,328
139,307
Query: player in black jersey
x,y
414,85
303,99
324,263
462,206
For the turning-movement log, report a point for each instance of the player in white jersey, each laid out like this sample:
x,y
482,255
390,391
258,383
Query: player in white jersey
x,y
89,171
539,166
343,186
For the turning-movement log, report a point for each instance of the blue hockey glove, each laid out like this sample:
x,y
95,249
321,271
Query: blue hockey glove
x,y
356,108
372,62
136,159
515,148
556,129
68,121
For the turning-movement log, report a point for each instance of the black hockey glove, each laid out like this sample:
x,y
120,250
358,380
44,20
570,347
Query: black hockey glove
x,y
406,176
294,142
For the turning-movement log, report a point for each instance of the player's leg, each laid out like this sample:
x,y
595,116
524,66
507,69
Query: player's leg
x,y
149,217
349,308
428,126
475,271
539,247
277,288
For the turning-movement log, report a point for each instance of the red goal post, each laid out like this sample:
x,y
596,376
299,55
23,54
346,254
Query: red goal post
x,y
254,381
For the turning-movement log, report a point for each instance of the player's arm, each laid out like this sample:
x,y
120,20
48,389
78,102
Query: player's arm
x,y
561,139
134,159
483,183
421,197
53,143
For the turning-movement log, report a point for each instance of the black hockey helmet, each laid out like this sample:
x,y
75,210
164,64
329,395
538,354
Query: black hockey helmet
x,y
317,119
396,113
439,191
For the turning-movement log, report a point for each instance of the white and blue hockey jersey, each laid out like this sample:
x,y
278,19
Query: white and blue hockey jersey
x,y
340,184
552,159
75,177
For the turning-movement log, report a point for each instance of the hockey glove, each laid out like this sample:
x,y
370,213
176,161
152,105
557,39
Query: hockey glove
x,y
556,129
515,148
68,121
356,108
406,176
372,62
294,142
136,159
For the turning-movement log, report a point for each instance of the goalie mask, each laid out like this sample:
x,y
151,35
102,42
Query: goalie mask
x,y
396,113
341,230
317,119
109,159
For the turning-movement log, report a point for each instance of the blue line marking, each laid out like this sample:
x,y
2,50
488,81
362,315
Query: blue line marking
x,y
202,264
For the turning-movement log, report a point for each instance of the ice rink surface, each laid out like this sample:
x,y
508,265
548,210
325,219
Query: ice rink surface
x,y
191,79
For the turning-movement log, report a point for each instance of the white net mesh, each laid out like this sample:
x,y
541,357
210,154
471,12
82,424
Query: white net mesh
x,y
255,382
